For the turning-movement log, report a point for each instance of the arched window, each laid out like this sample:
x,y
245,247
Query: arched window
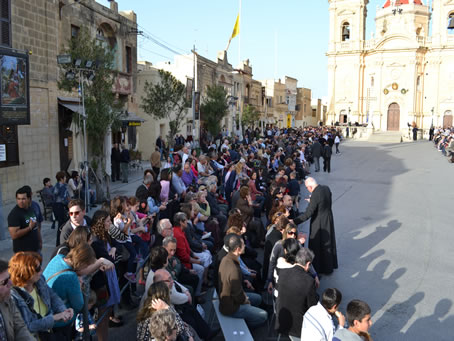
x,y
345,31
372,81
451,23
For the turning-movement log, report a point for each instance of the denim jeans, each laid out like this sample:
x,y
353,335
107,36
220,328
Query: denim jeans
x,y
132,257
253,316
140,245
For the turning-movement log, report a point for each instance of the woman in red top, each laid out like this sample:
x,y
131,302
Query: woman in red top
x,y
184,253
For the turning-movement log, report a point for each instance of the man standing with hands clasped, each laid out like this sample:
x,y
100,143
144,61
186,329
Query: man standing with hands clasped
x,y
322,239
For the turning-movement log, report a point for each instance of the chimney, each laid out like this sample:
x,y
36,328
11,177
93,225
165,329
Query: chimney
x,y
114,6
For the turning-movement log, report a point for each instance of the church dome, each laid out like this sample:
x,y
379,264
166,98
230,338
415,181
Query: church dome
x,y
402,2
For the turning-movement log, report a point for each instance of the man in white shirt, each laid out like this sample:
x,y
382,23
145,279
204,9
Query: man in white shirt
x,y
318,320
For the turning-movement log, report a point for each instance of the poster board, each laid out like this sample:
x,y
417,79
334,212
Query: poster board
x,y
14,87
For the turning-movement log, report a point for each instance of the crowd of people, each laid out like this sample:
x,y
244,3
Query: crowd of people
x,y
196,222
443,140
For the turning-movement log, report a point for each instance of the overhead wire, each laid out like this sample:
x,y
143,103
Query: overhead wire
x,y
161,43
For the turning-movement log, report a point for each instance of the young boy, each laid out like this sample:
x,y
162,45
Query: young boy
x,y
318,320
293,187
80,319
358,316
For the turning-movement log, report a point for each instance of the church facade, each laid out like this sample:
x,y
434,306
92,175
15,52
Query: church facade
x,y
403,75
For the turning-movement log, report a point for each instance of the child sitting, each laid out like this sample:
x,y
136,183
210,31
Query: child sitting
x,y
79,324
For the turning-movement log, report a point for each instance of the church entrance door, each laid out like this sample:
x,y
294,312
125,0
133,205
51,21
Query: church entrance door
x,y
447,120
393,117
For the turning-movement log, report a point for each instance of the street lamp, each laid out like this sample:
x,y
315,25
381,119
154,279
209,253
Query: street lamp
x,y
232,102
84,73
432,110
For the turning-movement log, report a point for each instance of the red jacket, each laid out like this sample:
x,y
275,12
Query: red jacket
x,y
183,250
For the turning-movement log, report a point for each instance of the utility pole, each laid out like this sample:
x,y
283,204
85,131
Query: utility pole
x,y
2,226
193,94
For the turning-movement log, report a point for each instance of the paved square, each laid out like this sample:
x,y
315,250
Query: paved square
x,y
393,216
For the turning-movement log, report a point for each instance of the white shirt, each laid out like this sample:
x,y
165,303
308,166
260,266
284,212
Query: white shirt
x,y
337,139
176,297
317,324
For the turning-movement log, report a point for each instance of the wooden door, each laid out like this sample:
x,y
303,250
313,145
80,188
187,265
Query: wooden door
x,y
393,117
447,121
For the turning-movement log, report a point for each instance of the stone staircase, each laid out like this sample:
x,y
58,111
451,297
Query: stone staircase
x,y
386,137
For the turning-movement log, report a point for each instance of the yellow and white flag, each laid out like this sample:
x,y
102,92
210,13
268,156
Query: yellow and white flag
x,y
236,30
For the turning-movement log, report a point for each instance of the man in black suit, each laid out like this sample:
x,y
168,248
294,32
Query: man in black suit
x,y
327,152
296,294
316,153
322,238
115,162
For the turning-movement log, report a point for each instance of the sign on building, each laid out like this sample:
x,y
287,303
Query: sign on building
x,y
14,88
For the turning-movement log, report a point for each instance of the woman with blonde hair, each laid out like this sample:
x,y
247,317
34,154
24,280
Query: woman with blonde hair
x,y
158,299
38,304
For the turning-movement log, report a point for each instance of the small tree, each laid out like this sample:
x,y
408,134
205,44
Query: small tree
x,y
101,106
250,116
214,108
166,99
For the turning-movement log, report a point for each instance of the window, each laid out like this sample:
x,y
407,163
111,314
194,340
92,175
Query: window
x,y
304,110
451,23
74,31
128,59
5,23
9,142
372,82
314,112
345,31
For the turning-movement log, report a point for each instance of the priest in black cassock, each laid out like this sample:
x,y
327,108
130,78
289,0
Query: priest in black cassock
x,y
322,238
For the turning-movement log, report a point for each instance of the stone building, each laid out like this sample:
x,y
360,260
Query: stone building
x,y
401,75
42,29
303,115
151,128
290,98
276,104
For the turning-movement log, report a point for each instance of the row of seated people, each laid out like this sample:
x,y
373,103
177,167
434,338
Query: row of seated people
x,y
444,142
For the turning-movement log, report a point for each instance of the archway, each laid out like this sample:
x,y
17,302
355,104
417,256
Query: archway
x,y
447,119
393,117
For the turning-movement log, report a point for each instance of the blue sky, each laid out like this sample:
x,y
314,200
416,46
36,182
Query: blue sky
x,y
298,28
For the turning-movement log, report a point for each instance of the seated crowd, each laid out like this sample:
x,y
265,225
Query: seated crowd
x,y
190,227
444,142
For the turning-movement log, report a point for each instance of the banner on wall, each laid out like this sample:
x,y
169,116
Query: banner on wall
x,y
14,87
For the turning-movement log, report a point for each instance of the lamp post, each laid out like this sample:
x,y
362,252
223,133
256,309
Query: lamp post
x,y
83,72
232,102
432,110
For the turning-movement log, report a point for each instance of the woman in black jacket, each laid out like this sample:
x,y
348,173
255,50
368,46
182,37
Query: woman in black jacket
x,y
104,284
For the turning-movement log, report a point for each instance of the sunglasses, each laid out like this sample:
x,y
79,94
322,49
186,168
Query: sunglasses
x,y
5,281
75,213
291,233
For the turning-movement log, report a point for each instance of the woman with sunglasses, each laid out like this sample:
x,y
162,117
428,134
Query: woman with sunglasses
x,y
290,231
38,304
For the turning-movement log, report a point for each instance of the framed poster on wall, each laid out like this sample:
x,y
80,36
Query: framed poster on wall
x,y
14,87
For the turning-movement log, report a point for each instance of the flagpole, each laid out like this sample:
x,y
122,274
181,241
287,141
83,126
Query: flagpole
x,y
239,39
